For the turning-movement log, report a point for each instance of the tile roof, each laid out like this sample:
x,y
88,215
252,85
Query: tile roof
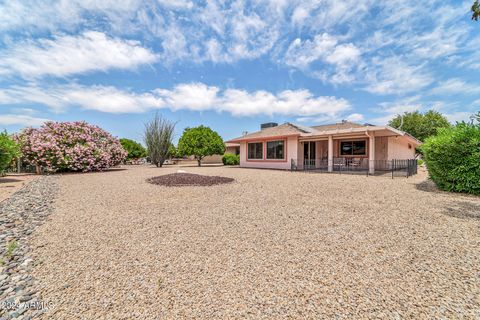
x,y
286,129
339,126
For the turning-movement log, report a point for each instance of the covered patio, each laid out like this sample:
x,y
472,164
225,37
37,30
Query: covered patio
x,y
371,150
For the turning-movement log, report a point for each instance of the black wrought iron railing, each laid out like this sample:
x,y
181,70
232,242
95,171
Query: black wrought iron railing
x,y
395,167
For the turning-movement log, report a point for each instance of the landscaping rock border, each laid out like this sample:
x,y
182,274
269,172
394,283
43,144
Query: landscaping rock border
x,y
19,216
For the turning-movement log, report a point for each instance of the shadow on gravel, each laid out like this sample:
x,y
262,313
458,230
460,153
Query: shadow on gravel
x,y
428,186
8,180
463,210
91,172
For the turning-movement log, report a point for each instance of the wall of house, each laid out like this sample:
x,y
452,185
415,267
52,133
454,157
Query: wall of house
x,y
400,148
381,148
232,150
216,158
291,153
322,150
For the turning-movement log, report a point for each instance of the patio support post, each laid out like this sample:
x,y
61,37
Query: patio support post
x,y
371,153
330,153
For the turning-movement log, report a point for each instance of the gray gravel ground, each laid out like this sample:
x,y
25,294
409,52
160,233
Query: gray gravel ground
x,y
271,245
20,215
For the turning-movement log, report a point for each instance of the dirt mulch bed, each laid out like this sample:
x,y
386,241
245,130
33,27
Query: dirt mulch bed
x,y
188,179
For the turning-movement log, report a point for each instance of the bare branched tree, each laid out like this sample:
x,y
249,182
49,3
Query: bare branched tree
x,y
158,137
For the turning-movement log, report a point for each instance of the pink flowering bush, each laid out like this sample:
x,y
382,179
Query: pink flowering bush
x,y
70,146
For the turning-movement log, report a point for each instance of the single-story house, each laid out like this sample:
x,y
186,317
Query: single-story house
x,y
329,147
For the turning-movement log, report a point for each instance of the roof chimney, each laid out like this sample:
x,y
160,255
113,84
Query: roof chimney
x,y
268,125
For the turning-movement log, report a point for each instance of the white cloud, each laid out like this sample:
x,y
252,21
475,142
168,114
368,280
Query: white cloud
x,y
355,117
332,118
455,86
192,96
327,14
22,120
394,76
66,55
339,60
389,110
453,117
288,102
176,4
301,54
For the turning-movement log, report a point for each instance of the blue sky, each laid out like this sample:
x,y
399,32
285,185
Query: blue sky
x,y
232,65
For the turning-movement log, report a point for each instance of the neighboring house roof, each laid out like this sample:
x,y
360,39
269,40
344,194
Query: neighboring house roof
x,y
229,144
289,129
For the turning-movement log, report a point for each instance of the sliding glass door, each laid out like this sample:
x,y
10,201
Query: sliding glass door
x,y
309,152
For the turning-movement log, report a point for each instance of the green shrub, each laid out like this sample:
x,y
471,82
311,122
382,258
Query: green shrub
x,y
229,159
135,150
9,149
419,162
453,158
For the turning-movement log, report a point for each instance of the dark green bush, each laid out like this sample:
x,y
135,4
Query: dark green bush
x,y
229,159
453,158
135,150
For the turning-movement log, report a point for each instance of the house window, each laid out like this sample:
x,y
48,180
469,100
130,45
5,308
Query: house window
x,y
275,150
353,148
255,150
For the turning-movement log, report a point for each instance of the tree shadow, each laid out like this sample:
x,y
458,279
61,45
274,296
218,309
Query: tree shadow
x,y
463,210
111,170
9,180
428,186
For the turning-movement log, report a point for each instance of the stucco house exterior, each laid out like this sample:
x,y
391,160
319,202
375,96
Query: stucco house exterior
x,y
329,147
233,148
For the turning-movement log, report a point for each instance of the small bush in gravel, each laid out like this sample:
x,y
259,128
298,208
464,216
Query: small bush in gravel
x,y
70,146
453,158
229,159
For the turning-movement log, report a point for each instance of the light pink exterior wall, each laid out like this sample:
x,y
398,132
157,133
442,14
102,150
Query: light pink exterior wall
x,y
381,148
399,148
292,153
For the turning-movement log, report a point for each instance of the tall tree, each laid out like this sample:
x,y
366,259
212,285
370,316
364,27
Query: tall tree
x,y
200,142
158,135
419,125
9,149
476,10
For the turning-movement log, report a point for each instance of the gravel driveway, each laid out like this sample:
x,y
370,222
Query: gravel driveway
x,y
271,245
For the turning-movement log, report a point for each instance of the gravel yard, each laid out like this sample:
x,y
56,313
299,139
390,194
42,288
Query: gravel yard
x,y
270,245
